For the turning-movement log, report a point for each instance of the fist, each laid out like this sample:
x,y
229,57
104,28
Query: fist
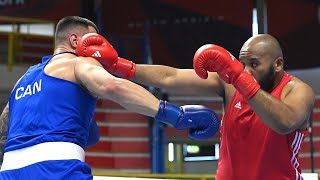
x,y
96,46
214,58
201,122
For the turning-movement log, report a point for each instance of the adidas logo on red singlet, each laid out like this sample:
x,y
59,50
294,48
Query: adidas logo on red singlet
x,y
96,54
238,105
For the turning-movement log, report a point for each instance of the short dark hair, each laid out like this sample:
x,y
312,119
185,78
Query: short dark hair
x,y
71,22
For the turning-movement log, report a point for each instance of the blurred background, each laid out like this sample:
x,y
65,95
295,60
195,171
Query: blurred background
x,y
166,32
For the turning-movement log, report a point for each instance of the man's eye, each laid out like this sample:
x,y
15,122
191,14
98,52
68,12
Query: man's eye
x,y
254,65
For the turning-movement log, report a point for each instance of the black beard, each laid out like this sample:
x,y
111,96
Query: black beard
x,y
267,81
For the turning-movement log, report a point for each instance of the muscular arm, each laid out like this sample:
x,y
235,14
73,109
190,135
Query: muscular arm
x,y
101,84
3,129
177,80
4,119
287,115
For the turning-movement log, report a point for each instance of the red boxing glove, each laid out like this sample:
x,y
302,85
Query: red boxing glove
x,y
214,58
96,46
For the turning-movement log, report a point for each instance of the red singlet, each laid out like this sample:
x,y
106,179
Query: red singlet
x,y
250,150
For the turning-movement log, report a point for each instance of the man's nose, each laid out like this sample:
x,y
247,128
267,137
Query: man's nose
x,y
248,70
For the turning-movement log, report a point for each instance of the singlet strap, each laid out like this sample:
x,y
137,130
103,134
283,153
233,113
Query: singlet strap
x,y
64,53
46,59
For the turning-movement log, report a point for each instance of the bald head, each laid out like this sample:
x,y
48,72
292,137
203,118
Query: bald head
x,y
263,44
263,59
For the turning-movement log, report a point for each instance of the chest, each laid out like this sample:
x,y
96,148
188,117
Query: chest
x,y
241,120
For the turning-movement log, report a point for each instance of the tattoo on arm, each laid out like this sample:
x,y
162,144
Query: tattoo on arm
x,y
3,130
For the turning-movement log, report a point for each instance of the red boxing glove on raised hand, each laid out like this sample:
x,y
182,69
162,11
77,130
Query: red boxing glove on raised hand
x,y
96,46
214,58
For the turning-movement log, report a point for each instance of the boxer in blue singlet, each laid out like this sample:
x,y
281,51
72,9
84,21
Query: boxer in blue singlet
x,y
49,118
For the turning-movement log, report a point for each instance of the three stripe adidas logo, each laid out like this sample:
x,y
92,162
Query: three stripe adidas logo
x,y
238,105
96,54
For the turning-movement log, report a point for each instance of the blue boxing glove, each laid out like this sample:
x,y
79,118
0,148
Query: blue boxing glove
x,y
201,121
94,134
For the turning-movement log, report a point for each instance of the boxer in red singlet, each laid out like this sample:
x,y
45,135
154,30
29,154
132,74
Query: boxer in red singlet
x,y
267,109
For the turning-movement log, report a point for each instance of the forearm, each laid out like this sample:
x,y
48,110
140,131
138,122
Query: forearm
x,y
134,98
173,80
3,130
274,113
154,75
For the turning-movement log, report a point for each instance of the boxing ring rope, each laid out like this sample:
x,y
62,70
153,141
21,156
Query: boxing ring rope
x,y
155,176
114,176
14,20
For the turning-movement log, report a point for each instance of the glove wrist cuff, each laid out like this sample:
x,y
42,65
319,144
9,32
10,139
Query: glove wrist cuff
x,y
168,113
125,68
246,85
132,71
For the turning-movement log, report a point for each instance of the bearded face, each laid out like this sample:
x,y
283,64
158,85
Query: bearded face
x,y
267,80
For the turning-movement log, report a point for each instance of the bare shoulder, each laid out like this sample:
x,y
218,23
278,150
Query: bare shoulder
x,y
83,62
61,67
297,87
84,65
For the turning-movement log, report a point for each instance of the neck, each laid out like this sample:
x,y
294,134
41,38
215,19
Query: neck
x,y
61,49
278,79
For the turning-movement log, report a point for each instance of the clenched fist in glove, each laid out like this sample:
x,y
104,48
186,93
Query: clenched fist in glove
x,y
214,58
96,46
201,121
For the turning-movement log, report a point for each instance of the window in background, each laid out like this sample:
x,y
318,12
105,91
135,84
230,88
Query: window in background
x,y
35,29
200,152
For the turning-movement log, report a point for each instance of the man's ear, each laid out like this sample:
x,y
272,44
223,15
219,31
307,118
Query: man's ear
x,y
73,39
278,64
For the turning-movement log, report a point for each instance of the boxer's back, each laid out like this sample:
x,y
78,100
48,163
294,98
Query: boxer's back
x,y
49,107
